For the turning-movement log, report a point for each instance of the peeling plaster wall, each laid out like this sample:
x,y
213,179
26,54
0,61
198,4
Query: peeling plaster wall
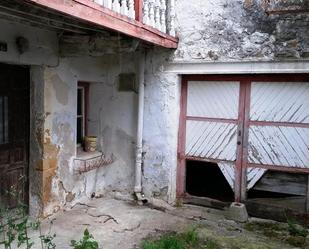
x,y
42,48
210,32
112,117
225,30
37,120
162,94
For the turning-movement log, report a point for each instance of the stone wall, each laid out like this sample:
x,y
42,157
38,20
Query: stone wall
x,y
224,30
210,32
218,31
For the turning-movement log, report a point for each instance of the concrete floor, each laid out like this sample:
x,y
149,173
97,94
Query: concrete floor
x,y
119,224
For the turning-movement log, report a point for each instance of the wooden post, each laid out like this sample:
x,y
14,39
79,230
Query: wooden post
x,y
138,10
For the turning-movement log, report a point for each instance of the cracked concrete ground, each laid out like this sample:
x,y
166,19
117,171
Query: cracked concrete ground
x,y
119,224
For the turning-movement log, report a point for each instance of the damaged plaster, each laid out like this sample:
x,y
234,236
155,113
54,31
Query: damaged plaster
x,y
218,31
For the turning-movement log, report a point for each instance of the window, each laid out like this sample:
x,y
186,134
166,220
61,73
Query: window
x,y
82,106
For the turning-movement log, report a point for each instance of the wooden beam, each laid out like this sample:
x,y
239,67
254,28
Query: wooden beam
x,y
95,45
307,196
286,11
205,202
91,12
138,10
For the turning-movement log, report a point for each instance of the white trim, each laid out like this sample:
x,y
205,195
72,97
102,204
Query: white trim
x,y
247,67
82,116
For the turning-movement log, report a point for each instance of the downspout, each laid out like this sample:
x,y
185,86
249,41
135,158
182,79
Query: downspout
x,y
139,137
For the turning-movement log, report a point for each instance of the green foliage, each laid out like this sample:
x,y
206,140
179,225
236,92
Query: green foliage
x,y
174,241
210,244
15,225
47,240
296,229
190,237
87,242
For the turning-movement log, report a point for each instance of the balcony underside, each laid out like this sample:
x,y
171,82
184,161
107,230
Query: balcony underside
x,y
82,17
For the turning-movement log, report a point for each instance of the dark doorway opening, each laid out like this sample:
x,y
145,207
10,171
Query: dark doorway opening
x,y
14,134
205,179
280,194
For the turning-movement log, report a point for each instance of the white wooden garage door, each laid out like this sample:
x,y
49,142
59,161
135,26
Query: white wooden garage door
x,y
246,125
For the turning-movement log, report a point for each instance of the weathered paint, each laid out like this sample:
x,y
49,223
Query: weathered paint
x,y
283,144
110,20
253,176
43,46
212,128
228,170
213,99
280,102
237,36
213,140
216,37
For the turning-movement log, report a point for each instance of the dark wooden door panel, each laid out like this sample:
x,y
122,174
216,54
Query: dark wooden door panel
x,y
14,134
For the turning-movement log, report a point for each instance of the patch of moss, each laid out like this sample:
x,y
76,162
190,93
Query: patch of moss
x,y
291,233
298,241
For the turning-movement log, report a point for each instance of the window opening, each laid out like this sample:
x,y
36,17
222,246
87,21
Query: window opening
x,y
82,100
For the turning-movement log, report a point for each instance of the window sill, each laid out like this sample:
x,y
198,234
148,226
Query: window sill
x,y
83,155
88,161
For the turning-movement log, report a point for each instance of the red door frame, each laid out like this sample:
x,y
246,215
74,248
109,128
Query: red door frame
x,y
85,86
243,127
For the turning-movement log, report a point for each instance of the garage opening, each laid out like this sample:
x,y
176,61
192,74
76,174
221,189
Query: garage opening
x,y
205,179
280,193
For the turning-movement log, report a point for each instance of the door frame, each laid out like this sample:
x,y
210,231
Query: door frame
x,y
245,80
13,69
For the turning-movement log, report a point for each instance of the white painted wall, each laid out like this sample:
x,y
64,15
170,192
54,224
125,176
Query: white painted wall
x,y
215,37
112,117
43,45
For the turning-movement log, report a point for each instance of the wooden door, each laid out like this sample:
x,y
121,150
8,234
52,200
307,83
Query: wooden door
x,y
14,134
246,124
211,127
277,127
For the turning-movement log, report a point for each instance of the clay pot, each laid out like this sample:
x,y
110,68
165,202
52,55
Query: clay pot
x,y
90,143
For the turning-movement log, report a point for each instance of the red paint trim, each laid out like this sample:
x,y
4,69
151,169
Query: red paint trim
x,y
85,85
239,148
285,124
243,126
278,168
245,138
271,78
181,169
204,159
138,10
91,12
218,120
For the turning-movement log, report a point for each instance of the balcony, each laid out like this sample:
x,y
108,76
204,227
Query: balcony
x,y
149,21
158,14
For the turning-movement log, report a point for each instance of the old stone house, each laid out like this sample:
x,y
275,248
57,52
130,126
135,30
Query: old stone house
x,y
189,100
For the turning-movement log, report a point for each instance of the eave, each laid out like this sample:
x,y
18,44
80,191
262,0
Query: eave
x,y
90,12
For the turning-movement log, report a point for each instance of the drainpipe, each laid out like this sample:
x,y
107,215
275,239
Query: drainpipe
x,y
139,137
